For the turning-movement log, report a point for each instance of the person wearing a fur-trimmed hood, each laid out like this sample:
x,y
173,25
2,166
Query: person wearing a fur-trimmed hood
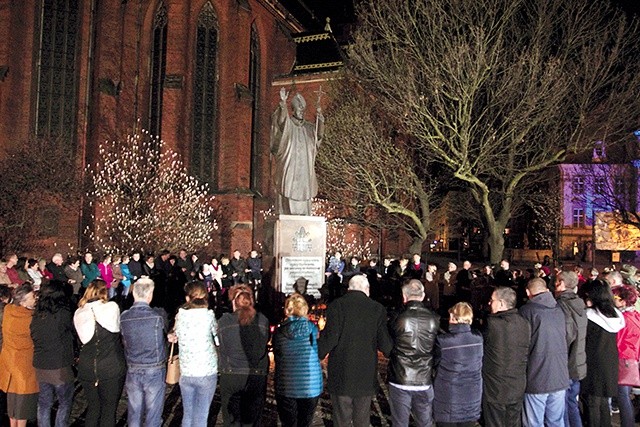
x,y
601,382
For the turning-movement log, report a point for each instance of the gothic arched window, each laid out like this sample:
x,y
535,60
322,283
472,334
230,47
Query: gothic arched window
x,y
254,88
158,70
203,145
56,103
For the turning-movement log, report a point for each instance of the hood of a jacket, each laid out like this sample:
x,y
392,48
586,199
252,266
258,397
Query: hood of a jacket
x,y
545,299
296,328
609,324
573,302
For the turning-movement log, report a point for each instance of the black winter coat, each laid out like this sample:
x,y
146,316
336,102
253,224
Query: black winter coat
x,y
414,333
602,361
506,351
53,337
356,329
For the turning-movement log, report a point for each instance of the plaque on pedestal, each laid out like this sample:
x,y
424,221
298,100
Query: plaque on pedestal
x,y
299,244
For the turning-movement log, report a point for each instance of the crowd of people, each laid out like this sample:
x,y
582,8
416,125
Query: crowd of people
x,y
544,346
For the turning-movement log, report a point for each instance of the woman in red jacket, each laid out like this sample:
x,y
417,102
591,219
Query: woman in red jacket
x,y
628,340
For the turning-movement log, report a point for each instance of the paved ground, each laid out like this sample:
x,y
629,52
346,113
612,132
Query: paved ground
x,y
173,407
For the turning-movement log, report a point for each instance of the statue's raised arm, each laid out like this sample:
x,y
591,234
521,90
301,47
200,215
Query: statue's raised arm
x,y
283,112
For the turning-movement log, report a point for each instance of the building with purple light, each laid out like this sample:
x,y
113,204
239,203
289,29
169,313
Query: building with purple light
x,y
608,181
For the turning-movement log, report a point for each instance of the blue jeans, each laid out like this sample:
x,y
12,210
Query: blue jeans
x,y
544,408
411,402
572,410
197,395
627,418
145,396
48,394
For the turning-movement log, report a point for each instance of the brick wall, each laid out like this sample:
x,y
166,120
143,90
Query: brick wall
x,y
114,51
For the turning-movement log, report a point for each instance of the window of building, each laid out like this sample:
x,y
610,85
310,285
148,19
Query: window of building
x,y
203,144
254,88
158,70
599,185
599,151
619,186
578,184
56,102
578,218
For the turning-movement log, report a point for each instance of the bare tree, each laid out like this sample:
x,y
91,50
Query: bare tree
x,y
365,167
494,90
39,185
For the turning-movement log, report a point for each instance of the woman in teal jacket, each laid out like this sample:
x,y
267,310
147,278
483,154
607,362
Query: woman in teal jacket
x,y
298,378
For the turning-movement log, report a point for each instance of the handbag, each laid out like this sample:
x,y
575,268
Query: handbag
x,y
173,367
628,372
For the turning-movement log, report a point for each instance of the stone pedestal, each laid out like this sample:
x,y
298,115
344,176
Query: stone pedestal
x,y
299,248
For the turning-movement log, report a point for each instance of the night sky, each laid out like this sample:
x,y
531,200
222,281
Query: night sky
x,y
342,11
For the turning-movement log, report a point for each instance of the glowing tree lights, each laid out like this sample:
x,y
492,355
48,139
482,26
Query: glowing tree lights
x,y
342,236
144,199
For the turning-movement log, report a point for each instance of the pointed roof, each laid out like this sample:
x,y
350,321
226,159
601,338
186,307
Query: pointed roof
x,y
316,51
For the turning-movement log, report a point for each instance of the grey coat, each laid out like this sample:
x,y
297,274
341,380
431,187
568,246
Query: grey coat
x,y
576,323
547,370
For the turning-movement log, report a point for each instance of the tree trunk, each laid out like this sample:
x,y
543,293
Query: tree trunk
x,y
495,240
416,245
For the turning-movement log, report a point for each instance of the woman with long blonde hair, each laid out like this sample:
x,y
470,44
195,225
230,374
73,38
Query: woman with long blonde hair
x,y
244,360
101,366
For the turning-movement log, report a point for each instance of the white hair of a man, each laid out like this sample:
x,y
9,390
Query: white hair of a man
x,y
413,290
614,278
359,282
143,289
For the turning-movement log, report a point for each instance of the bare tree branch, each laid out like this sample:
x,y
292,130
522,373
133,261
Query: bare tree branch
x,y
497,90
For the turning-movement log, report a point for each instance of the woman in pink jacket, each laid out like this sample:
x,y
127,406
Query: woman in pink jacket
x,y
106,272
628,340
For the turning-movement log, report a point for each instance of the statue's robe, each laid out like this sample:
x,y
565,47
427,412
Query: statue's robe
x,y
294,145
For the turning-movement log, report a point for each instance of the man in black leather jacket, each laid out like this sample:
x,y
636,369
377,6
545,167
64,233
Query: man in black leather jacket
x,y
414,333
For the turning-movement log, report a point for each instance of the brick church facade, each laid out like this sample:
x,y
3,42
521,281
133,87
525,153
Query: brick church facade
x,y
202,74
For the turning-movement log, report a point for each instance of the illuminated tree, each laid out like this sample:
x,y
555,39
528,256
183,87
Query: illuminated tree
x,y
498,90
144,199
340,235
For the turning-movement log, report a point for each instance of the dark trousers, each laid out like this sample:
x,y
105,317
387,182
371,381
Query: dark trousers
x,y
102,401
4,418
242,398
596,411
405,403
296,412
46,398
502,415
346,409
465,424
